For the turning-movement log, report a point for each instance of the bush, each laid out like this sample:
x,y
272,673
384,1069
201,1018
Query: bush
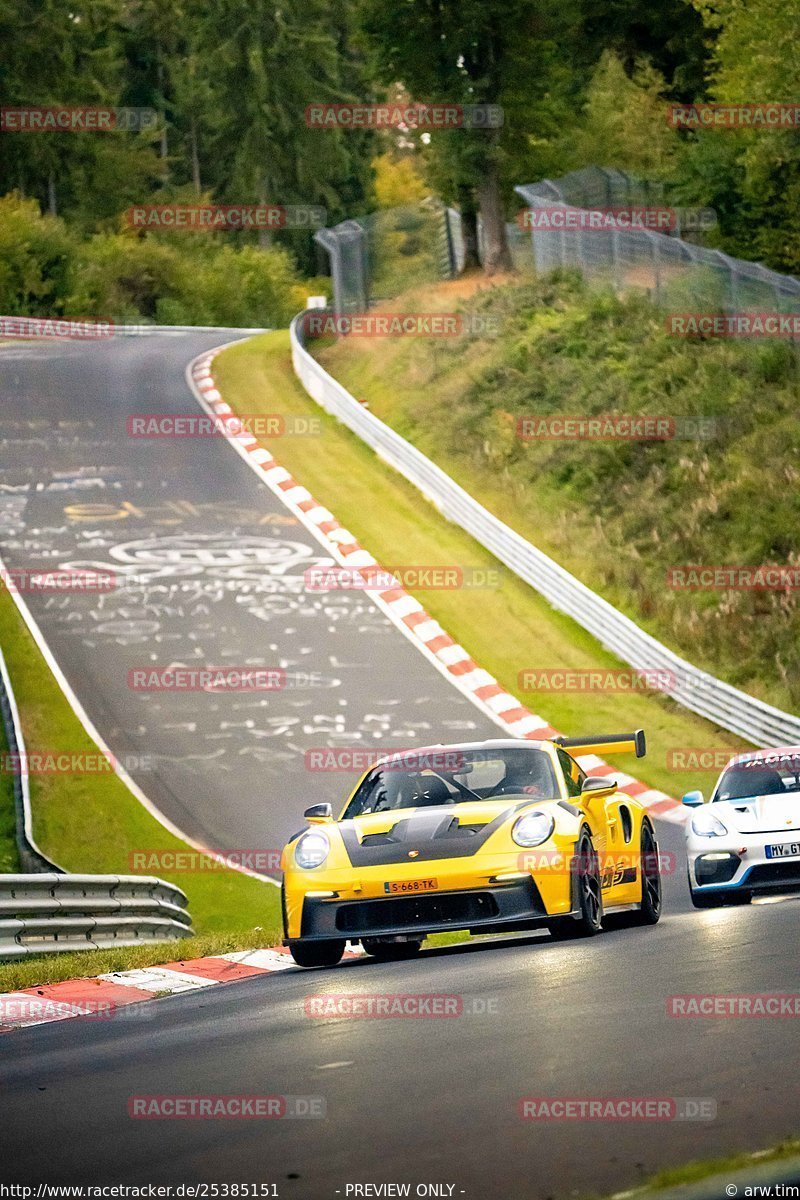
x,y
199,282
126,278
37,258
248,287
193,279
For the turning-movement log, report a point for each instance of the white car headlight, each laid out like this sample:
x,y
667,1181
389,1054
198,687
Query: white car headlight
x,y
312,850
705,824
532,829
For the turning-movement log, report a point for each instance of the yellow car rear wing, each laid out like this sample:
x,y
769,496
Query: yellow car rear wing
x,y
603,744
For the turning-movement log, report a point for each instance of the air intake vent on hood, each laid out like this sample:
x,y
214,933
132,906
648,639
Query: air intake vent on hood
x,y
418,828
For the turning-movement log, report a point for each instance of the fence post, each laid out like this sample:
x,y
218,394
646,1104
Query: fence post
x,y
351,278
616,265
325,238
363,262
448,244
656,263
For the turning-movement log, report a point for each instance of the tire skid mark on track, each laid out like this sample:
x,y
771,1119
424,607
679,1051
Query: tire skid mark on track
x,y
404,610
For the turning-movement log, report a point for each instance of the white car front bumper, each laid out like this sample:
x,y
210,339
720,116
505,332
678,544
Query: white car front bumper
x,y
744,861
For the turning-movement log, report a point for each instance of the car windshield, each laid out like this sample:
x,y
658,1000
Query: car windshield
x,y
454,776
774,775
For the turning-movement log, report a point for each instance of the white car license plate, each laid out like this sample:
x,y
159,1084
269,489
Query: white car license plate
x,y
784,850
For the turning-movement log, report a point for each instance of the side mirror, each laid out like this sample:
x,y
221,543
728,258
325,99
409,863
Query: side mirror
x,y
597,785
693,799
318,814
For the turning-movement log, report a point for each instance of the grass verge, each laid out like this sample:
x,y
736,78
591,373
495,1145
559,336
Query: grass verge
x,y
9,859
696,1172
719,489
506,628
90,823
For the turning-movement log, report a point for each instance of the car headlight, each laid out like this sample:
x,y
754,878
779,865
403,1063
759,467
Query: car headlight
x,y
532,829
705,824
312,850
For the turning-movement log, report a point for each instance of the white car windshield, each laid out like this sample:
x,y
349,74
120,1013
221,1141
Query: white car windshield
x,y
772,776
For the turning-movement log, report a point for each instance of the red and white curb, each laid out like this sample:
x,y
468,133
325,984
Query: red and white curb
x,y
110,996
451,659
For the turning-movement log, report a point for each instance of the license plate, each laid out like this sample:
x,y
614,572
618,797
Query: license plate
x,y
411,886
784,850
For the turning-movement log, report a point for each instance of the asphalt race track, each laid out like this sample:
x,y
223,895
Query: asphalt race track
x,y
427,1100
217,565
406,1100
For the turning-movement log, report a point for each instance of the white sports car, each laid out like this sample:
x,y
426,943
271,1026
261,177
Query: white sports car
x,y
746,838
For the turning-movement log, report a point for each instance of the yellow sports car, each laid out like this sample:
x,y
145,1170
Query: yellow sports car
x,y
487,836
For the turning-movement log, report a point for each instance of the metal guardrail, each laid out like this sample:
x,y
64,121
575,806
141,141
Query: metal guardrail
x,y
697,690
48,913
48,910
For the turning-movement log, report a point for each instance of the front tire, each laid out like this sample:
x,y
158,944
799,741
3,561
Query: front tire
x,y
650,910
317,954
590,896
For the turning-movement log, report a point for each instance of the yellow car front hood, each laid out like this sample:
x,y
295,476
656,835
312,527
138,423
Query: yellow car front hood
x,y
428,833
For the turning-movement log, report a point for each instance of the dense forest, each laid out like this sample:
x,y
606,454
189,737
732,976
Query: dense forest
x,y
229,86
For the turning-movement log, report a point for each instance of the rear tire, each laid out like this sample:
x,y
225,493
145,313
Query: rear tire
x,y
590,896
385,951
650,910
317,954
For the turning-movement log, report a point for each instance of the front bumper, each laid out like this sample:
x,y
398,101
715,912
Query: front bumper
x,y
740,863
481,910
